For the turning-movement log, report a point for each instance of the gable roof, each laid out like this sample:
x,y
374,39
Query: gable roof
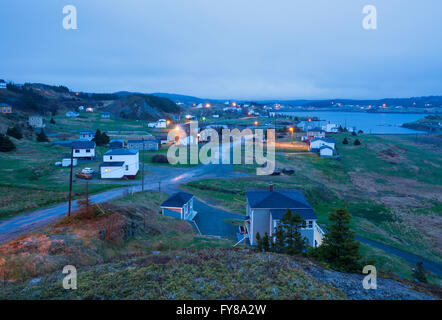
x,y
324,139
178,200
83,144
326,147
87,132
121,152
278,199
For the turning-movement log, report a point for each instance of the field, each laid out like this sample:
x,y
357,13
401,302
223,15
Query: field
x,y
390,184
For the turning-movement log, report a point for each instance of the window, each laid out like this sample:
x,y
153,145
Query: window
x,y
77,151
110,157
88,150
310,223
127,167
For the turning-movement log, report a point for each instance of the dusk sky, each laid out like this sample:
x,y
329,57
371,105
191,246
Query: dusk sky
x,y
243,49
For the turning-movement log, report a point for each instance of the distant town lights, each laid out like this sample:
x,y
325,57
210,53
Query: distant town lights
x,y
207,105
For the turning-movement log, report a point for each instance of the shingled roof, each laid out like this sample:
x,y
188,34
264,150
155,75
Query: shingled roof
x,y
178,200
120,152
83,144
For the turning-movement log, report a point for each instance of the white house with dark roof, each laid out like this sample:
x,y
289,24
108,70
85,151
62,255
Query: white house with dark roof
x,y
265,209
180,206
316,144
120,163
83,149
326,151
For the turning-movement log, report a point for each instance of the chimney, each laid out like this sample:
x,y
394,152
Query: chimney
x,y
271,187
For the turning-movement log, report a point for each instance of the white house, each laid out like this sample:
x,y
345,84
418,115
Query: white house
x,y
330,128
36,121
80,108
84,149
180,206
315,133
265,209
317,143
119,163
67,162
326,151
72,114
105,115
87,135
160,124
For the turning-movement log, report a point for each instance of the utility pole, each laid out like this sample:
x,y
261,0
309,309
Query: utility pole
x,y
142,168
159,186
87,198
70,181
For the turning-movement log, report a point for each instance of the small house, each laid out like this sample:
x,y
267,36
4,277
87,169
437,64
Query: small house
x,y
326,151
180,206
5,108
3,84
89,109
160,124
265,209
149,144
317,143
36,121
116,144
163,140
120,163
83,149
105,115
81,108
315,133
87,135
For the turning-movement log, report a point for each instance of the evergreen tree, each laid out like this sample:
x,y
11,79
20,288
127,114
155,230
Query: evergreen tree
x,y
259,242
419,272
41,136
101,139
288,238
52,121
345,141
357,142
14,132
339,247
278,244
6,144
266,242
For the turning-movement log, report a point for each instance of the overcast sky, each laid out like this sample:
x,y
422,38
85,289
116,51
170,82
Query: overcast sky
x,y
244,49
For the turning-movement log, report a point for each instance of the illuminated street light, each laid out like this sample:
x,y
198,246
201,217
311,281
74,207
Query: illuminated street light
x,y
256,123
168,122
207,105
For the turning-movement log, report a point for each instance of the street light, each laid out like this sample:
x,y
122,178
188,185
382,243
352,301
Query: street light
x,y
256,123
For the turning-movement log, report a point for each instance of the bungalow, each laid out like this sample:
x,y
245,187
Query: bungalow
x,y
180,206
266,208
316,133
36,121
5,108
160,124
149,144
330,128
87,135
3,84
119,163
80,108
326,151
116,144
105,115
83,149
317,143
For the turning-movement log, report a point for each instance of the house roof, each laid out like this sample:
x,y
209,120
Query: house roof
x,y
121,152
141,141
83,144
178,200
326,147
87,132
316,130
306,214
116,140
278,199
324,139
112,164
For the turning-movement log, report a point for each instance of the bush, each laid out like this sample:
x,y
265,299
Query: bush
x,y
14,132
6,144
159,158
357,142
345,141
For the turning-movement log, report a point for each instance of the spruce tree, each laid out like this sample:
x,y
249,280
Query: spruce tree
x,y
41,136
340,249
52,121
6,144
357,142
345,141
419,272
288,238
266,242
259,241
14,132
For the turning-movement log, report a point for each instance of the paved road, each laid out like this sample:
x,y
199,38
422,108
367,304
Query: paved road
x,y
409,257
170,179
